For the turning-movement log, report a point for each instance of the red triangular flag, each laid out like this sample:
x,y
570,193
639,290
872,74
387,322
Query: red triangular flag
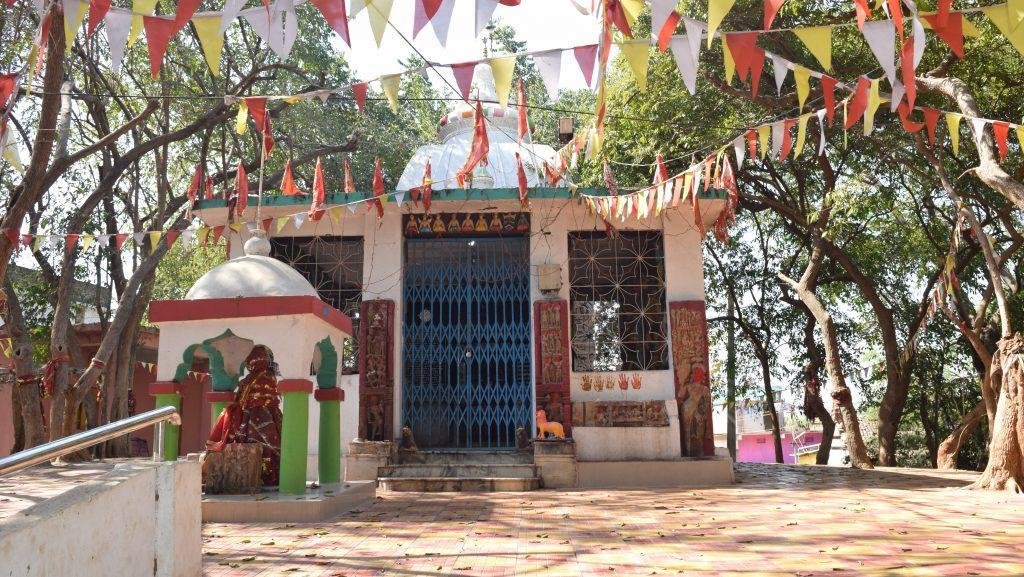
x,y
186,8
12,237
896,13
1001,130
521,175
288,187
787,140
193,188
350,185
26,239
217,232
524,125
943,15
359,93
97,10
952,33
751,143
931,119
667,30
660,172
828,91
464,77
709,162
908,124
378,188
859,102
742,46
614,13
7,82
481,146
241,189
863,12
771,8
266,225
119,239
756,66
907,69
425,11
551,174
171,236
698,219
316,209
334,14
585,56
209,187
158,33
258,110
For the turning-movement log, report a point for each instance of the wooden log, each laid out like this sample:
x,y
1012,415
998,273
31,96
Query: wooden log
x,y
236,469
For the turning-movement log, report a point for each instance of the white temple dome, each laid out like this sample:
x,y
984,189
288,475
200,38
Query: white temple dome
x,y
251,276
456,133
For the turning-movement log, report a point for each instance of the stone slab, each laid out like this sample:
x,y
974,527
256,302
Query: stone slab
x,y
316,505
710,472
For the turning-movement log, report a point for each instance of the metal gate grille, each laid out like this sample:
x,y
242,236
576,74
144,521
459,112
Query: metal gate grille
x,y
466,341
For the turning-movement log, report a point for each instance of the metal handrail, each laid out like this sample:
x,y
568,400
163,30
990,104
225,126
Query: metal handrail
x,y
86,439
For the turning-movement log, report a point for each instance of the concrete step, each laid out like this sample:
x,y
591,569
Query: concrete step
x,y
465,457
458,484
460,471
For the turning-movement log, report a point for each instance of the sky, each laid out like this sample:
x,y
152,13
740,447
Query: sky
x,y
542,24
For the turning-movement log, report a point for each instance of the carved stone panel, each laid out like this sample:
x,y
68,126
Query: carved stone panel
x,y
376,369
620,414
692,379
551,360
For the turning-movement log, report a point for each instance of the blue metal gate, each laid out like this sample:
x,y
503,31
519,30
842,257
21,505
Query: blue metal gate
x,y
466,341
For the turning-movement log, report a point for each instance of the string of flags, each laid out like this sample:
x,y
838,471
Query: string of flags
x,y
7,352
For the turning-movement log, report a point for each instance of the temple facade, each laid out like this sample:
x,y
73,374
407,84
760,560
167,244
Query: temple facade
x,y
481,316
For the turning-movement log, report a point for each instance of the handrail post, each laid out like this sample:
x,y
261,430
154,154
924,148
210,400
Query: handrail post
x,y
158,448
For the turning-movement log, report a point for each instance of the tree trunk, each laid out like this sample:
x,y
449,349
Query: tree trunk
x,y
769,395
730,378
26,402
1005,468
833,364
949,449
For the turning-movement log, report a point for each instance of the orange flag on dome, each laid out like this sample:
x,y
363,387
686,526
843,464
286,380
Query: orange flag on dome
x,y
425,189
660,172
378,188
316,209
524,125
241,189
521,175
481,146
288,186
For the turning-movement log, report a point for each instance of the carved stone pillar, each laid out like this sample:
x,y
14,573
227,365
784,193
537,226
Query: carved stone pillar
x,y
376,369
692,378
551,361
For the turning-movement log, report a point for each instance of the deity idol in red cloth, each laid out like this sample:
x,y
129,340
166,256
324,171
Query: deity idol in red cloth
x,y
255,415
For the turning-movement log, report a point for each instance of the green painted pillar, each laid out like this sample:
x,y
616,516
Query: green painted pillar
x,y
168,394
329,457
294,434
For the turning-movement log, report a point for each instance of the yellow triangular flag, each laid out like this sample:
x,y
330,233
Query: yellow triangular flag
x,y
818,40
203,235
211,39
154,238
803,84
501,69
378,10
335,213
390,86
729,63
801,133
281,222
236,226
139,7
632,9
638,56
37,242
874,101
243,115
953,123
763,132
1000,16
87,241
1020,135
1016,10
71,26
717,9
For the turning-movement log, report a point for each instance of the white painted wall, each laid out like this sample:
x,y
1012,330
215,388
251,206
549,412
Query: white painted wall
x,y
140,519
551,221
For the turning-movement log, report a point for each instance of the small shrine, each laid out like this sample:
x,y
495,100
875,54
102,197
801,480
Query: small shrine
x,y
257,322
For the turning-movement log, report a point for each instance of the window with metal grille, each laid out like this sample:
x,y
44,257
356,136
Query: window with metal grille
x,y
617,300
334,266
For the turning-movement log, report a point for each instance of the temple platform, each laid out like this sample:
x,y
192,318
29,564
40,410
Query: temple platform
x,y
270,506
681,473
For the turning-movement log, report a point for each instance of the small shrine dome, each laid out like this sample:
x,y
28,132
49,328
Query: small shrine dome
x,y
456,134
256,274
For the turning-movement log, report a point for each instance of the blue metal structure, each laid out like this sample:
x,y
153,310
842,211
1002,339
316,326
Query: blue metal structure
x,y
466,341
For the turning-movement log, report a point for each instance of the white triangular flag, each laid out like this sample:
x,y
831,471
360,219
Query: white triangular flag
x,y
118,24
53,240
740,146
441,21
138,237
660,11
681,51
229,14
399,197
550,66
919,41
780,66
881,38
778,130
978,126
821,131
694,32
896,96
299,219
356,7
186,235
484,10
103,240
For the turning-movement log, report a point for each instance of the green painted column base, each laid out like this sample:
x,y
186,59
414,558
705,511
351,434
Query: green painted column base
x,y
294,442
172,433
215,410
329,458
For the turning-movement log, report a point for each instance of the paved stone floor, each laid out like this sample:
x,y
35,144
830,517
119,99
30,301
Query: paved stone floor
x,y
777,520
